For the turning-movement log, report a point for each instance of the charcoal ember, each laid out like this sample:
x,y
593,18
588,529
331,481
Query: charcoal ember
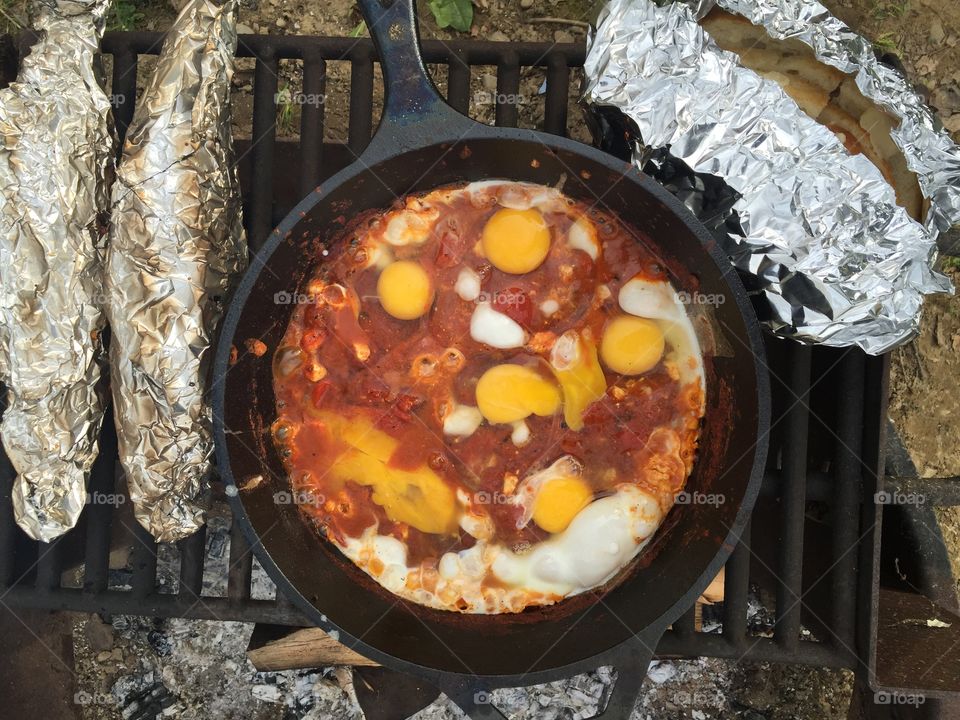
x,y
159,642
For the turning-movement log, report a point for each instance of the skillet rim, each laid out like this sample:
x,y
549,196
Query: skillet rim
x,y
368,162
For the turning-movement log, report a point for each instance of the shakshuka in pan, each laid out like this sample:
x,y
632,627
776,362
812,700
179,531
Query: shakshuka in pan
x,y
489,397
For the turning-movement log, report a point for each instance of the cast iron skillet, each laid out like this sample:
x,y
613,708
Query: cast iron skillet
x,y
422,143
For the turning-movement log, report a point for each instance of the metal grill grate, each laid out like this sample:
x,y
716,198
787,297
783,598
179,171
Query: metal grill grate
x,y
811,538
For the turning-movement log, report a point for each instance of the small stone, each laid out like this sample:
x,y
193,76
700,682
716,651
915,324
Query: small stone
x,y
244,29
936,30
660,671
99,634
526,4
267,693
281,23
562,36
499,36
927,64
104,656
952,123
947,98
489,82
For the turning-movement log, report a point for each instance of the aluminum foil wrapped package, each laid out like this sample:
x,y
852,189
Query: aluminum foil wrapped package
x,y
176,248
816,231
56,163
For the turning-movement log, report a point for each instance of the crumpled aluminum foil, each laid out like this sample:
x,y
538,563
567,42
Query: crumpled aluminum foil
x,y
56,163
828,255
176,248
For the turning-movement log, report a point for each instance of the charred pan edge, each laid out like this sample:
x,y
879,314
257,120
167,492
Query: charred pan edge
x,y
56,166
829,255
176,249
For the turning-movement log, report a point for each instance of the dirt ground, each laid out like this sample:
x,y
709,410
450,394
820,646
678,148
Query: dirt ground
x,y
177,664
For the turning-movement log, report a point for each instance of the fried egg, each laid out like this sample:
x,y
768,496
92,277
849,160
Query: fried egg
x,y
462,421
516,241
582,235
467,285
573,360
660,302
412,225
493,328
514,195
631,345
552,496
597,542
508,393
603,537
405,290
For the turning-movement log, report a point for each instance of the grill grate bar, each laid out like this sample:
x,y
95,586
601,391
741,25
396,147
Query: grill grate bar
x,y
48,565
260,209
791,484
846,501
336,48
458,83
8,529
100,512
508,90
790,580
555,106
759,650
686,624
736,586
241,566
120,602
311,121
361,103
192,551
144,561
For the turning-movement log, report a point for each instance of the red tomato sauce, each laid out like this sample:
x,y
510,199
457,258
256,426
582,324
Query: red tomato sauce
x,y
343,354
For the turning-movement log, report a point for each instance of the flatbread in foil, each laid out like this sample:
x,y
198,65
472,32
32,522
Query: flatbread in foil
x,y
56,164
824,248
176,248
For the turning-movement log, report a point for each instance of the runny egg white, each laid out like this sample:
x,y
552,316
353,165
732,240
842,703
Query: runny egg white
x,y
660,302
600,540
491,327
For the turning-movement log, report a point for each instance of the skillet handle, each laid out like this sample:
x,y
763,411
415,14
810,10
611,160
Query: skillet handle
x,y
414,113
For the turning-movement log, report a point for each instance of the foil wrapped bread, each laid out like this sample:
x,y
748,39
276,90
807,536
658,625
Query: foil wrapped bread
x,y
815,230
176,248
56,164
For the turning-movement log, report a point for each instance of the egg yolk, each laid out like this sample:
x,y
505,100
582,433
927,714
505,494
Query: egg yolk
x,y
559,501
418,497
575,364
631,345
516,241
507,393
404,289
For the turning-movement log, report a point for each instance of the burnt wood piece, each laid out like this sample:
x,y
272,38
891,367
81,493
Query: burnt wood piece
x,y
918,646
275,647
